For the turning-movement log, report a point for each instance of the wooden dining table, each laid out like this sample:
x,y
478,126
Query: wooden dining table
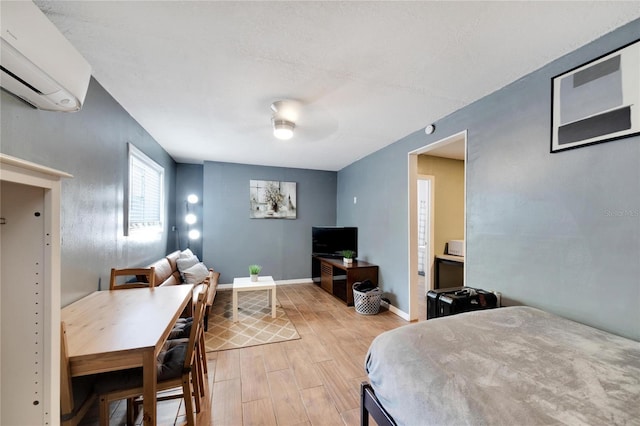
x,y
120,329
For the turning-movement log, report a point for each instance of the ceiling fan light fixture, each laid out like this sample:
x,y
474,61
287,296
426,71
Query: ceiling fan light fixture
x,y
283,129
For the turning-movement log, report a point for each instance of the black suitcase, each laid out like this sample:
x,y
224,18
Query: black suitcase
x,y
433,311
465,300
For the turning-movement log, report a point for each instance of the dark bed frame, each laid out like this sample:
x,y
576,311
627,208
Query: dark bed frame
x,y
369,405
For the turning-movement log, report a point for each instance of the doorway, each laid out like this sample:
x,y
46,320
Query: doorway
x,y
421,256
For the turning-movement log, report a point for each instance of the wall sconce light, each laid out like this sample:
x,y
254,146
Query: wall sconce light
x,y
191,219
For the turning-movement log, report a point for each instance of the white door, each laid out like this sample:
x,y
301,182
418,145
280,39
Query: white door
x,y
24,342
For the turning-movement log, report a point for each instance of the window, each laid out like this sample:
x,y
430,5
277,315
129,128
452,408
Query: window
x,y
146,194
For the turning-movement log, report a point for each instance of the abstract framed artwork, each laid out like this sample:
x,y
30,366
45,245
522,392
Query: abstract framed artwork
x,y
271,199
598,101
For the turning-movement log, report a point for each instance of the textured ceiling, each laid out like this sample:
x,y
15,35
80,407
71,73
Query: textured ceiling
x,y
200,76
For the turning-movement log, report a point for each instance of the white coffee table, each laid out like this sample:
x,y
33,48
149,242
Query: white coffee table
x,y
245,284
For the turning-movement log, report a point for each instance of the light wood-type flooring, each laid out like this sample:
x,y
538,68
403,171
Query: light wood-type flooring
x,y
311,381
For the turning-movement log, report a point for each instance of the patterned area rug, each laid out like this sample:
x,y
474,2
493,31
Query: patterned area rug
x,y
254,327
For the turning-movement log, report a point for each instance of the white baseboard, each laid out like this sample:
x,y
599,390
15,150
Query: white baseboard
x,y
295,281
384,304
278,282
394,310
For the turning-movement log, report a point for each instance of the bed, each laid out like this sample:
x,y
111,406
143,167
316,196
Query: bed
x,y
507,366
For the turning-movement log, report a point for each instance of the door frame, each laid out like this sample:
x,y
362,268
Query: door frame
x,y
413,216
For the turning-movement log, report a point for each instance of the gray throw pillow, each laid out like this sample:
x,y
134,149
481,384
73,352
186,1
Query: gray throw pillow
x,y
185,263
172,362
196,274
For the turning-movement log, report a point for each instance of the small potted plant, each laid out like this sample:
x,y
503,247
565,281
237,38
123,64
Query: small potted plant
x,y
254,270
347,256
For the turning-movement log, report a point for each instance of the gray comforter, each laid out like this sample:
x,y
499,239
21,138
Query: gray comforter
x,y
507,366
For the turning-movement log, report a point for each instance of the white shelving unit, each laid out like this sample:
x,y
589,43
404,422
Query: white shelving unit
x,y
29,292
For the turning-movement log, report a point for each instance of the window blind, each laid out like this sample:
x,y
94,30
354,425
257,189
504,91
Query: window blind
x,y
146,192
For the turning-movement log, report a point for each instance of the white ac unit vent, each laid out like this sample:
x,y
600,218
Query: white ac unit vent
x,y
38,63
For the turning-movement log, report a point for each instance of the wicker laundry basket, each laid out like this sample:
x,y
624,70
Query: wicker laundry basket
x,y
367,302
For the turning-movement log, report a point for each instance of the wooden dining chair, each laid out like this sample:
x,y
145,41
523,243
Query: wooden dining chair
x,y
201,351
199,376
177,367
76,393
149,275
182,328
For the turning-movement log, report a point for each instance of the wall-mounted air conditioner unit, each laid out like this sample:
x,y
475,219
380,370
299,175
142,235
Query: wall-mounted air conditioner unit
x,y
38,63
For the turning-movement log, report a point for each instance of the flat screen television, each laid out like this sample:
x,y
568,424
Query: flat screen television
x,y
331,240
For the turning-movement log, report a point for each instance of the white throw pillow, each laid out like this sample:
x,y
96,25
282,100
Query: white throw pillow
x,y
186,253
196,274
184,263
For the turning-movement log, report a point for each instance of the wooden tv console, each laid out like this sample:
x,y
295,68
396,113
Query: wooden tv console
x,y
337,278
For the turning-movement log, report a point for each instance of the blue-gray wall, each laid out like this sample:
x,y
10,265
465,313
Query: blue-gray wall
x,y
232,241
379,183
557,231
91,145
189,181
